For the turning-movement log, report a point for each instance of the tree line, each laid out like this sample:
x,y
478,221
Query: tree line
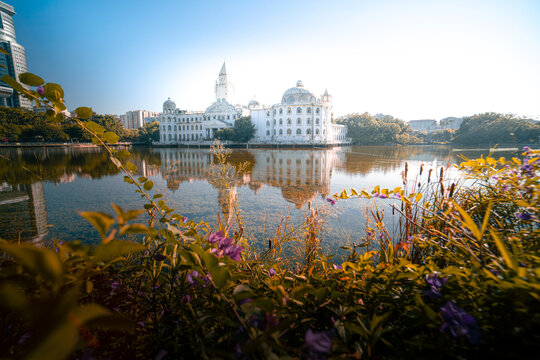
x,y
18,125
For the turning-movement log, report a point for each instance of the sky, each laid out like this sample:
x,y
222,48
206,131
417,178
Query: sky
x,y
410,59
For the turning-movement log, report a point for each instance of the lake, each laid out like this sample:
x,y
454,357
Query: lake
x,y
42,189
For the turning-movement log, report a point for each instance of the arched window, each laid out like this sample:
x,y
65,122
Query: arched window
x,y
298,110
267,123
280,121
267,132
309,110
308,121
280,111
323,131
289,131
308,131
274,121
317,121
298,121
268,113
318,110
175,137
316,131
274,131
169,137
289,121
174,127
169,129
288,110
298,132
280,132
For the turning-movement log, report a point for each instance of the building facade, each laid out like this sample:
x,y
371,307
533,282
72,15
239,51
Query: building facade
x,y
137,118
300,118
14,64
178,126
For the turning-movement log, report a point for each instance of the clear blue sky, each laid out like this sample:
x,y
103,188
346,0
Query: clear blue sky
x,y
410,59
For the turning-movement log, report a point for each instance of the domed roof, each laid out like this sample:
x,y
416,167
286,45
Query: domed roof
x,y
253,103
169,105
298,95
221,106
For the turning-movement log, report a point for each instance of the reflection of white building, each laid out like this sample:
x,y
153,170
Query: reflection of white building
x,y
185,126
300,118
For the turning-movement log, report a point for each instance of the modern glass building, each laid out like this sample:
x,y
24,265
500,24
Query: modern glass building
x,y
12,64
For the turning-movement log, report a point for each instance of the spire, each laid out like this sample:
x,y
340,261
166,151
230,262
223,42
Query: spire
x,y
325,92
223,70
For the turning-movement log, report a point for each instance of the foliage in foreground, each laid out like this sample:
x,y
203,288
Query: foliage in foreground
x,y
242,131
460,280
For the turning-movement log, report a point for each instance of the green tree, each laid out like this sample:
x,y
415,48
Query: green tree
x,y
148,133
366,129
495,128
242,131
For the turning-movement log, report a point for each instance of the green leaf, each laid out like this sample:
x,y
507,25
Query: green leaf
x,y
131,167
510,261
31,79
84,112
39,260
134,229
469,223
13,83
220,275
114,249
116,162
148,185
94,127
142,179
123,154
111,137
102,222
53,92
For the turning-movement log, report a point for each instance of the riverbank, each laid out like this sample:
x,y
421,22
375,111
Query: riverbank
x,y
70,145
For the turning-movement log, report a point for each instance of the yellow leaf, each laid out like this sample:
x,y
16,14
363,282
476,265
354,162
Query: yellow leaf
x,y
354,192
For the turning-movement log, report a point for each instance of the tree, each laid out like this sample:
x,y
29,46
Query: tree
x,y
148,133
366,129
495,128
242,131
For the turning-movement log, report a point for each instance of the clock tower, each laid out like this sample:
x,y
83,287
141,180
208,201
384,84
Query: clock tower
x,y
222,85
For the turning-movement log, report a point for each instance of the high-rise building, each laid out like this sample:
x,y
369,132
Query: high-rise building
x,y
136,118
14,64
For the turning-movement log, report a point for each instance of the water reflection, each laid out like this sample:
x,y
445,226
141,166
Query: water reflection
x,y
75,179
23,214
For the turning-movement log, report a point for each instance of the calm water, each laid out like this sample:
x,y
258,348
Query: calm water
x,y
41,190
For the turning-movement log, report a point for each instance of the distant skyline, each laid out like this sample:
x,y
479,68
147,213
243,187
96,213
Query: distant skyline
x,y
410,59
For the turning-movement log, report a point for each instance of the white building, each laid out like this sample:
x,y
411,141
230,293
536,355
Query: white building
x,y
178,126
300,118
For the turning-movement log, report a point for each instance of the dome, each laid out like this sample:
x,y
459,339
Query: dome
x,y
221,106
253,104
298,95
169,105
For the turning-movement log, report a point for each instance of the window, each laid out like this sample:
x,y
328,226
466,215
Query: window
x,y
274,121
309,110
174,127
316,131
274,132
267,132
268,113
169,129
298,121
280,121
289,121
228,117
298,132
289,131
280,111
267,123
317,121
318,110
308,131
308,121
298,110
288,110
280,132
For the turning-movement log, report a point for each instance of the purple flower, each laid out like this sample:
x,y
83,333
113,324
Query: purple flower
x,y
526,149
458,323
185,219
381,235
397,195
337,267
190,276
271,272
186,298
234,252
331,201
495,177
215,237
40,90
317,344
524,216
435,283
505,188
381,196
